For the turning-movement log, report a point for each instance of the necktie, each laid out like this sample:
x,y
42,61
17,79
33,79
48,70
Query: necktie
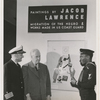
x,y
36,67
37,70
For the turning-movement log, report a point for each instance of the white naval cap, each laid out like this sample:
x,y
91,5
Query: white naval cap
x,y
18,49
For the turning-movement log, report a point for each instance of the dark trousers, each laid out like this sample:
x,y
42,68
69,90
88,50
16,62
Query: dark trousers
x,y
90,95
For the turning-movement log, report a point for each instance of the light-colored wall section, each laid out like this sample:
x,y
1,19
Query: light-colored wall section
x,y
64,95
39,40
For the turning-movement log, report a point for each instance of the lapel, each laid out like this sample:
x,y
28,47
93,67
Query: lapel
x,y
81,75
32,68
40,71
14,65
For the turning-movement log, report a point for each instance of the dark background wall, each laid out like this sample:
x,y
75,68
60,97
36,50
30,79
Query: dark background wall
x,y
9,27
9,39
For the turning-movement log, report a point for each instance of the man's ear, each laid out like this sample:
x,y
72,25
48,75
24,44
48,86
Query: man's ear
x,y
88,57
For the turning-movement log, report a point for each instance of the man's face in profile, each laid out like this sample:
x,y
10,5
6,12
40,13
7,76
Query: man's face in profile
x,y
36,57
19,56
83,59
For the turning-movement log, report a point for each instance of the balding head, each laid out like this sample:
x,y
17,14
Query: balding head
x,y
35,56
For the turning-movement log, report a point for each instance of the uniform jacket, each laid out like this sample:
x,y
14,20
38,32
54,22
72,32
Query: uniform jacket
x,y
13,80
88,82
37,83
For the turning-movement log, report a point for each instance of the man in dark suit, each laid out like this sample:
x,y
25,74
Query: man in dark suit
x,y
13,78
87,79
36,78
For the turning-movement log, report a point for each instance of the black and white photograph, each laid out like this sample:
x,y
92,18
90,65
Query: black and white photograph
x,y
49,49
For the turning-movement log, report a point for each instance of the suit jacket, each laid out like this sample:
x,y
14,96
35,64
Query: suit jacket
x,y
88,82
13,80
37,83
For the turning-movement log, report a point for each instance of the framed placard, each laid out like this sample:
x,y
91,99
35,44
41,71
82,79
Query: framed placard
x,y
57,19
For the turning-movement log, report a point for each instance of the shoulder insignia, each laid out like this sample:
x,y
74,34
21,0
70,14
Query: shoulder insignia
x,y
87,67
92,63
89,77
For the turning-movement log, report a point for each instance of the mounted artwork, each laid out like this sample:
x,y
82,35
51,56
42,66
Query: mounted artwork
x,y
60,53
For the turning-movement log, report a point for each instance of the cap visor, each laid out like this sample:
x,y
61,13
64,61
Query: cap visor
x,y
21,52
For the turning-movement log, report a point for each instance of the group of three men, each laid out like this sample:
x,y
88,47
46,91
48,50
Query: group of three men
x,y
32,81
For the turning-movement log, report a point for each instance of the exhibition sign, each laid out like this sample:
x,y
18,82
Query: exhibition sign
x,y
57,19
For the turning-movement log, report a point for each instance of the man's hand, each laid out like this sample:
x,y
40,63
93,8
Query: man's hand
x,y
73,81
28,97
48,97
71,71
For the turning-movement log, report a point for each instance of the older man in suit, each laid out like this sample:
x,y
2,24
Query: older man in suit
x,y
87,79
36,78
13,78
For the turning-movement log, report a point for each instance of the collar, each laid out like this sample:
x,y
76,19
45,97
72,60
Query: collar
x,y
37,65
86,66
13,61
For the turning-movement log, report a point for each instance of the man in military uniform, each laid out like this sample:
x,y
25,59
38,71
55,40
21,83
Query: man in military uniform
x,y
87,79
13,78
